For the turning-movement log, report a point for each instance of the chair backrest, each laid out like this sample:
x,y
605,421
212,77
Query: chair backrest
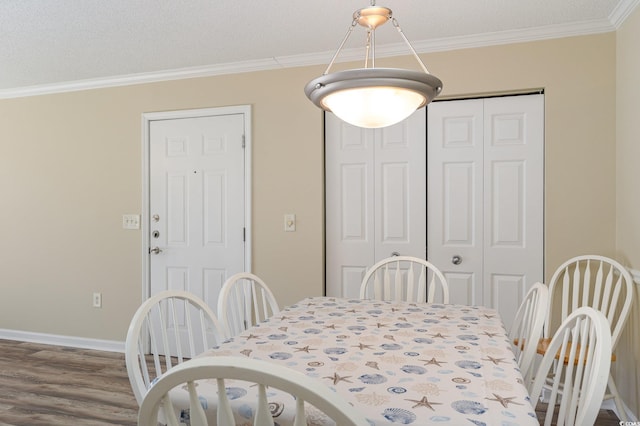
x,y
245,300
583,342
596,281
166,330
264,374
405,278
527,328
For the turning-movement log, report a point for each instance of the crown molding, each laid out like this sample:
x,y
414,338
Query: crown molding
x,y
318,58
141,78
622,12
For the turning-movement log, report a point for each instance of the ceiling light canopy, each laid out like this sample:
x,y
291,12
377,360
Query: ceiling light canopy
x,y
373,97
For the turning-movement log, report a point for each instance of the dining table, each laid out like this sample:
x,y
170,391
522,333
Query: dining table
x,y
396,362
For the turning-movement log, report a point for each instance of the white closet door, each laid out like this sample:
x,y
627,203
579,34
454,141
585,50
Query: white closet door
x,y
485,198
375,197
455,196
400,188
513,200
350,228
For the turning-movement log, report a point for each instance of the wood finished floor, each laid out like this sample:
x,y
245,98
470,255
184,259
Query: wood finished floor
x,y
53,385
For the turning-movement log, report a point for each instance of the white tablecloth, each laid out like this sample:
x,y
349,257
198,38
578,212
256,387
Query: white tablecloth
x,y
398,363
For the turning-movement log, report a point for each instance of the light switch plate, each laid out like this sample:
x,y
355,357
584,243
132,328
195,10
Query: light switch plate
x,y
130,221
290,222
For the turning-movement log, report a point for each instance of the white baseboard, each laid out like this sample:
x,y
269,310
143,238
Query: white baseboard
x,y
71,341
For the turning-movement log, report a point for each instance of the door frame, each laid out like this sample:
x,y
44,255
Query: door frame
x,y
147,118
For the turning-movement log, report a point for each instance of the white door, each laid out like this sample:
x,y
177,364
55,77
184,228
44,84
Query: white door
x,y
455,170
485,198
198,210
375,197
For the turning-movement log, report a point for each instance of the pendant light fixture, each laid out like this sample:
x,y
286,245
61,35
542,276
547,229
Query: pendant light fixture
x,y
373,97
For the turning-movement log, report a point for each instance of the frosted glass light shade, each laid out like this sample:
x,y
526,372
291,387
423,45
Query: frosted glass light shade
x,y
373,107
373,97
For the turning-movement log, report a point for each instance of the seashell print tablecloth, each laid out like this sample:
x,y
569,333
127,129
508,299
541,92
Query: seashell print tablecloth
x,y
398,362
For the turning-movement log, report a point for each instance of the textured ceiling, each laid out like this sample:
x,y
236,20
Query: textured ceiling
x,y
49,43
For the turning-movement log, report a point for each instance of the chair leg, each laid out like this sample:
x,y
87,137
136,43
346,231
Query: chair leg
x,y
617,399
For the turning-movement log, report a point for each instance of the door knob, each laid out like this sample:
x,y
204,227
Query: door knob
x,y
155,250
456,260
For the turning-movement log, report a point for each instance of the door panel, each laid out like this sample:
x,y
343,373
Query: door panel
x,y
514,199
375,197
455,193
485,205
349,206
196,203
400,188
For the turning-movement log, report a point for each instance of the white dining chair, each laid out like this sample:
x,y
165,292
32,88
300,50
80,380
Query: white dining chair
x,y
575,366
526,329
601,283
262,373
405,278
167,329
245,300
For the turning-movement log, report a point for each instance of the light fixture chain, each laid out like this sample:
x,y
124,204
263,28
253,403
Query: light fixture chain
x,y
373,48
367,50
344,40
415,54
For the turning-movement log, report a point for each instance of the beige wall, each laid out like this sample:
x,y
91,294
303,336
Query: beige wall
x,y
628,141
70,166
627,199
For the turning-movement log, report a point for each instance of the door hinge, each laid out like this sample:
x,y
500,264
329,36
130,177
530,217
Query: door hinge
x,y
244,235
243,142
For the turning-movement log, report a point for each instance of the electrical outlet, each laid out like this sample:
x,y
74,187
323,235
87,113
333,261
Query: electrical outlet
x,y
97,300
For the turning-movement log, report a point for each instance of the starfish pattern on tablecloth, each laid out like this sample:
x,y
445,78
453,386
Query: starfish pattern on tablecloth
x,y
424,402
363,346
433,361
496,361
338,378
505,401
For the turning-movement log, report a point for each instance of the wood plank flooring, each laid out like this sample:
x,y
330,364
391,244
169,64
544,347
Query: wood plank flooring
x,y
53,385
